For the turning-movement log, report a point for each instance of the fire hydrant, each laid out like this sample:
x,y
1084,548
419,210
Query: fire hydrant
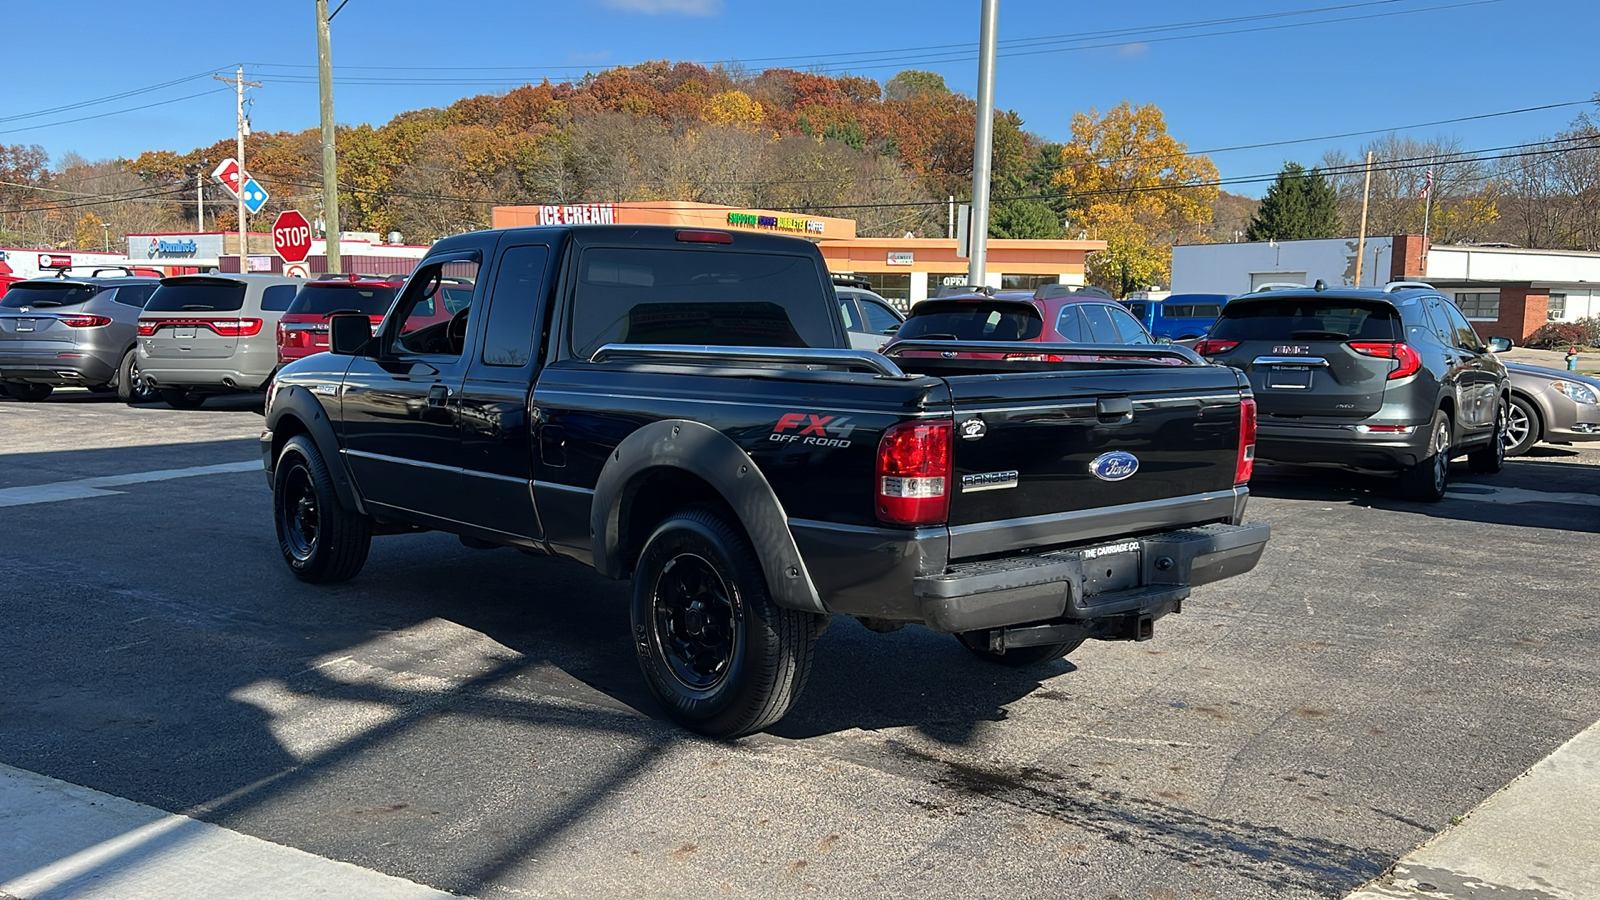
x,y
1572,359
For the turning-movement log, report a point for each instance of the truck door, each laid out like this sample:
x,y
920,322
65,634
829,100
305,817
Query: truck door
x,y
496,434
400,405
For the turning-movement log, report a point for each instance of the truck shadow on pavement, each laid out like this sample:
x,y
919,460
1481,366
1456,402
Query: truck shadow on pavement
x,y
1529,492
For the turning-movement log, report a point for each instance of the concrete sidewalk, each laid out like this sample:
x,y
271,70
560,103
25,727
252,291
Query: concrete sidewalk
x,y
1551,359
1538,838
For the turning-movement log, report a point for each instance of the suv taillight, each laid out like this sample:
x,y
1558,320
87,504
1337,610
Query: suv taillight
x,y
1247,442
1209,347
82,321
147,327
914,473
1410,360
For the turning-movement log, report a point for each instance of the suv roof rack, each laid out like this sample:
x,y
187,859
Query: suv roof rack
x,y
1279,286
1051,291
1393,286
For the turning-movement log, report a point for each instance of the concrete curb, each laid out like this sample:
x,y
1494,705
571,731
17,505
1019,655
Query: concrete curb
x,y
1537,838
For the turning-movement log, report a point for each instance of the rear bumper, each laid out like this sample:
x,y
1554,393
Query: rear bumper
x,y
67,366
1339,445
222,375
904,576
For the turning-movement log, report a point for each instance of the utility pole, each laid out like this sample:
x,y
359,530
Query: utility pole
x,y
983,149
330,159
244,230
1361,242
200,199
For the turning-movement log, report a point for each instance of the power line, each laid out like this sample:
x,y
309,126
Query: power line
x,y
106,99
116,112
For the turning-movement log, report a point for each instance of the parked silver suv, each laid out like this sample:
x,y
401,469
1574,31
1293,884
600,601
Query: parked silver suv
x,y
212,334
71,332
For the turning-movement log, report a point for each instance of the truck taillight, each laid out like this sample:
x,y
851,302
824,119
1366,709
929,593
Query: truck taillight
x,y
1247,442
914,473
1410,361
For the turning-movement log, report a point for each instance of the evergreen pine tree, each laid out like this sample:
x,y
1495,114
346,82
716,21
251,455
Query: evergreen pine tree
x,y
1299,205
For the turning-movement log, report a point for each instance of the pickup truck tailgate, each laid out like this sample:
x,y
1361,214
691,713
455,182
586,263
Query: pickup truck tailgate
x,y
1030,455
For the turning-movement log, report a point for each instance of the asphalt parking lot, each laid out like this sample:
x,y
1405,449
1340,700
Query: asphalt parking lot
x,y
475,721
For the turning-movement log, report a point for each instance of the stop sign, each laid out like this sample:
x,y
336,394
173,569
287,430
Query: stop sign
x,y
291,236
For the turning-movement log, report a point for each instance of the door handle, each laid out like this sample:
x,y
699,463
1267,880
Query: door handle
x,y
437,395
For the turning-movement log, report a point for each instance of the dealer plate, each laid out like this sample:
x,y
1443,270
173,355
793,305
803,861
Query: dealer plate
x,y
183,331
24,324
1294,378
1112,567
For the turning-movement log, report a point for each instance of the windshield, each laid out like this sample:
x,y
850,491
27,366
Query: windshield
x,y
322,299
45,296
1300,318
971,321
197,296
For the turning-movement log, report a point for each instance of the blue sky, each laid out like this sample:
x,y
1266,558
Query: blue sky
x,y
1402,62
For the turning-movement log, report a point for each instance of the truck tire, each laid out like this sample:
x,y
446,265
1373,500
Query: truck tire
x,y
1491,457
320,540
1427,480
22,390
182,398
978,643
719,655
1524,427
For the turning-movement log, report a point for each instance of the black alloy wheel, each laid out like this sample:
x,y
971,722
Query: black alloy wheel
x,y
1524,427
1491,457
1430,477
31,393
321,540
978,643
717,653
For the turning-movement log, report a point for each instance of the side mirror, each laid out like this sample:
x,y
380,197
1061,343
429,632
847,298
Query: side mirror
x,y
1162,339
349,335
1500,344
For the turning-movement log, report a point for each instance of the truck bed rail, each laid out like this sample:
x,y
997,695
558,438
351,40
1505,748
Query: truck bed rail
x,y
713,354
1133,353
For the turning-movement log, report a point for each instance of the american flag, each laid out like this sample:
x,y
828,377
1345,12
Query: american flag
x,y
1427,184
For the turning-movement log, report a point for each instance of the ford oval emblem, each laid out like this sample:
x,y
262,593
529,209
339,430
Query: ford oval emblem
x,y
1114,466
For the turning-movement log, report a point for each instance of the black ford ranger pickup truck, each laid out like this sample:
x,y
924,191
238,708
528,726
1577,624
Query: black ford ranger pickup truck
x,y
678,407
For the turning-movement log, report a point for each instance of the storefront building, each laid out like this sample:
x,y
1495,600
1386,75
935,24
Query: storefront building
x,y
901,269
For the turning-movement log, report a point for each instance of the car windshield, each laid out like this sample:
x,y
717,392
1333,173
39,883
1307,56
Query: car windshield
x,y
1301,318
44,296
200,295
323,299
971,321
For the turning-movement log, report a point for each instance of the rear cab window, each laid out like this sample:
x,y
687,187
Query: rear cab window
x,y
972,320
1301,318
45,296
649,296
203,295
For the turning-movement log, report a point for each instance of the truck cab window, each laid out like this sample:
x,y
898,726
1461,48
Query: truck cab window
x,y
434,309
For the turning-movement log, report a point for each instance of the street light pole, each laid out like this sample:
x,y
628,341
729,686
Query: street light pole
x,y
983,149
330,159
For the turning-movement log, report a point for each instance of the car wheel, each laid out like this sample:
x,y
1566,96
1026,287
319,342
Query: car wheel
x,y
320,540
30,392
1524,428
131,388
182,398
1427,480
718,654
978,643
1491,457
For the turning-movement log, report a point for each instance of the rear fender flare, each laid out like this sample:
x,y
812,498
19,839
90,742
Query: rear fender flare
x,y
297,402
714,458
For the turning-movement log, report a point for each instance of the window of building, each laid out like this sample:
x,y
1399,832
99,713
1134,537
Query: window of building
x,y
1483,305
1558,307
890,285
1026,282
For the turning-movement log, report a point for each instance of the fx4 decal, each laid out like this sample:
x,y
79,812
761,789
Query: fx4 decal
x,y
809,428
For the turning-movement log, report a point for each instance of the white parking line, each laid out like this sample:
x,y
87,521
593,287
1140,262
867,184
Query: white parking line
x,y
62,840
97,487
1479,493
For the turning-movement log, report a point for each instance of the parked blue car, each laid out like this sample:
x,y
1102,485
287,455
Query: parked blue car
x,y
1179,316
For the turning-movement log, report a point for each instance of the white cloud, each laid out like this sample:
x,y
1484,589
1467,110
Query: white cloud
x,y
684,7
1134,49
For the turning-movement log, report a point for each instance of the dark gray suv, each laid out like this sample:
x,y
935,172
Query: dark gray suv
x,y
1391,381
72,332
